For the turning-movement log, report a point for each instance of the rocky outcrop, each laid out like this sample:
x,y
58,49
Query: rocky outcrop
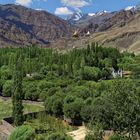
x,y
5,130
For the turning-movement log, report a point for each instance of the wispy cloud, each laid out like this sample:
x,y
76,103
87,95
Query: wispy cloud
x,y
26,2
75,3
23,2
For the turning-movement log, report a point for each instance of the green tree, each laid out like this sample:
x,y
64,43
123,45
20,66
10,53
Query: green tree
x,y
86,113
57,107
91,73
118,107
17,94
72,110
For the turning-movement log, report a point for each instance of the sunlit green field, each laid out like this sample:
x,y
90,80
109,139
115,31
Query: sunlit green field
x,y
6,108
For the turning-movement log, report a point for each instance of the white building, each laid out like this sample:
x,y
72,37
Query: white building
x,y
116,74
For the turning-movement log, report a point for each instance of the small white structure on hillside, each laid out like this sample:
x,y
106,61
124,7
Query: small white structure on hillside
x,y
116,74
88,33
29,75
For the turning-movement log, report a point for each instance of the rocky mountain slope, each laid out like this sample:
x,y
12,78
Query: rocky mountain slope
x,y
104,20
119,29
22,26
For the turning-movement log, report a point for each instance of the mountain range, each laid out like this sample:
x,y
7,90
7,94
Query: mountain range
x,y
20,26
23,26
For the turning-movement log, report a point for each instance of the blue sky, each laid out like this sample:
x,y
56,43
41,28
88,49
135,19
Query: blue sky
x,y
65,7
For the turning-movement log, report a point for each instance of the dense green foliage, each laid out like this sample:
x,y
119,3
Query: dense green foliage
x,y
7,89
119,137
47,125
40,66
79,84
96,133
57,136
22,133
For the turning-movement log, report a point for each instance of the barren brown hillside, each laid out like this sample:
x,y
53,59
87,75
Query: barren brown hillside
x,y
124,38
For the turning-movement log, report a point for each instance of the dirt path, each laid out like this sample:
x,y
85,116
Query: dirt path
x,y
78,134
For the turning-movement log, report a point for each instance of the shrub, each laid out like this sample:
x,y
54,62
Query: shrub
x,y
31,92
90,137
53,91
22,133
44,70
45,85
81,92
96,133
32,96
119,137
7,89
37,76
58,136
5,73
43,95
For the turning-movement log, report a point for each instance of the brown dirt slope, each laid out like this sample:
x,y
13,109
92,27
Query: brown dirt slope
x,y
126,37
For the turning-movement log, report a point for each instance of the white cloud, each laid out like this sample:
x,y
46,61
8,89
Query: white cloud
x,y
23,2
26,2
63,11
75,3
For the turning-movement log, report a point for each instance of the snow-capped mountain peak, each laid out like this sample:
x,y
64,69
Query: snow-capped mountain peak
x,y
102,12
75,16
78,16
91,14
129,8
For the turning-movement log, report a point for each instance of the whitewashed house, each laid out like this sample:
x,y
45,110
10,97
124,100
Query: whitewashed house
x,y
116,74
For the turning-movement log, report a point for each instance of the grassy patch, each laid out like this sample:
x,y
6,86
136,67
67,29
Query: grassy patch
x,y
6,108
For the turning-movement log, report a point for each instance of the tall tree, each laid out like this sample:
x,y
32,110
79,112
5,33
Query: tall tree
x,y
17,93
